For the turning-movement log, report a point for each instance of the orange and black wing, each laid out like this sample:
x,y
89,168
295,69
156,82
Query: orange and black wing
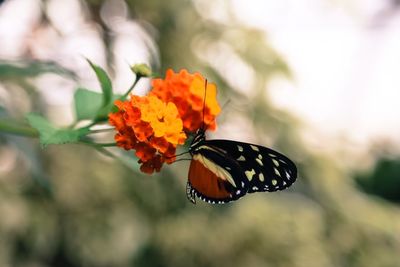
x,y
265,169
224,170
214,177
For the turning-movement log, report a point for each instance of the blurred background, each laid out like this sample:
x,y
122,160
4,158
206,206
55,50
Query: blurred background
x,y
316,80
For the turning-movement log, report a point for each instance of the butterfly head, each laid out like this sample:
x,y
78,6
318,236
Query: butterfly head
x,y
198,139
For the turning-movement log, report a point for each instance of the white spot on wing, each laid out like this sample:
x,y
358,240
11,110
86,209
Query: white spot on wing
x,y
274,182
241,158
275,162
261,177
255,188
240,148
255,148
250,174
277,172
259,162
259,156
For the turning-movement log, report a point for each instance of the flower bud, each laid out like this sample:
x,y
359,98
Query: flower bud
x,y
141,70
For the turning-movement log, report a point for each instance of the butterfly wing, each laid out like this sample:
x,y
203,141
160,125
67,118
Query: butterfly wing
x,y
264,168
214,176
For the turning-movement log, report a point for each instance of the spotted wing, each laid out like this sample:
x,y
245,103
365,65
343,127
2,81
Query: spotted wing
x,y
264,168
215,177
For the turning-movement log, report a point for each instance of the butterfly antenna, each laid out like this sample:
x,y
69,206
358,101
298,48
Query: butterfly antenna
x,y
226,104
181,160
175,156
204,104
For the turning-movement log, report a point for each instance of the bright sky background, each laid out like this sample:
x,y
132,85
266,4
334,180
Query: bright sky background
x,y
345,60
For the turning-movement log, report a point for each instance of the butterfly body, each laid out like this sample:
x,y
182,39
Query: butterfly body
x,y
223,170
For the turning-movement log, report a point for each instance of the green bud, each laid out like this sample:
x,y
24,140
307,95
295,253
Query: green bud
x,y
141,70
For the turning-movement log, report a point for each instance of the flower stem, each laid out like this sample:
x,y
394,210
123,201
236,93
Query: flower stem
x,y
105,152
101,130
98,148
90,124
11,127
106,144
72,126
87,142
137,79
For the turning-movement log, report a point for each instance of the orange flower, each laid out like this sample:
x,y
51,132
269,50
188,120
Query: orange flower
x,y
151,127
164,120
152,165
155,125
187,91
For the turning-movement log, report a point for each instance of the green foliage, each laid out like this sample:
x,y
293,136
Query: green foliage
x,y
107,93
13,127
11,70
51,135
383,181
89,105
105,83
95,106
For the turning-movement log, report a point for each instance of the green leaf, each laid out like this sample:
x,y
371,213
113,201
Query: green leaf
x,y
10,70
105,83
51,135
88,105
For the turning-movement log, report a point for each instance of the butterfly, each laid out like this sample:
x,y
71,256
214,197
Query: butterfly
x,y
223,170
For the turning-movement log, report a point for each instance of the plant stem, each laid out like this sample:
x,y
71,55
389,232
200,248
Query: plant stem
x,y
10,127
105,152
106,144
90,124
87,142
101,130
131,88
98,148
72,126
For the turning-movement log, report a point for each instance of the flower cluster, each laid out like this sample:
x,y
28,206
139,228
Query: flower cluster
x,y
187,92
154,125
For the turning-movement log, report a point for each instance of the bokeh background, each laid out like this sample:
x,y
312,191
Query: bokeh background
x,y
318,80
